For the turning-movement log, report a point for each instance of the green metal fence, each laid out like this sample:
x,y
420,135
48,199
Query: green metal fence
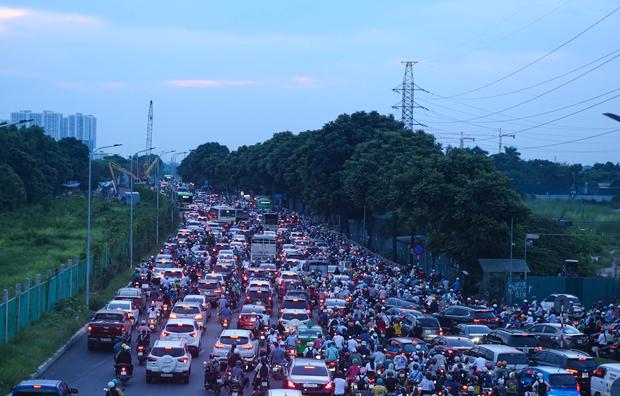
x,y
35,298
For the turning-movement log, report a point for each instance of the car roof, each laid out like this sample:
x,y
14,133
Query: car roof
x,y
235,332
194,296
549,370
570,353
44,382
499,348
187,303
407,340
308,362
181,321
293,310
110,311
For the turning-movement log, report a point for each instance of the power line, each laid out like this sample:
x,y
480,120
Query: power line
x,y
573,38
572,141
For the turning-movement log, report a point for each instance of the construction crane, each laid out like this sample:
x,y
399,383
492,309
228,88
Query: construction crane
x,y
149,131
114,165
147,171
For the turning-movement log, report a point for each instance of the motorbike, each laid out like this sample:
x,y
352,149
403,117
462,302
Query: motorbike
x,y
277,371
261,387
212,381
332,366
152,323
225,322
142,354
291,352
165,310
122,373
235,387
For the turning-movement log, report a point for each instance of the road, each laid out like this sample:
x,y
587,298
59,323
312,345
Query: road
x,y
90,371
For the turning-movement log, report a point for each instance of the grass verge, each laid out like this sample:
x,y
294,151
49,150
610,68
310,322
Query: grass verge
x,y
35,344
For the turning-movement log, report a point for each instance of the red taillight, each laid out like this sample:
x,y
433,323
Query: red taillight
x,y
165,333
290,384
140,348
572,371
476,320
183,360
329,386
578,387
193,334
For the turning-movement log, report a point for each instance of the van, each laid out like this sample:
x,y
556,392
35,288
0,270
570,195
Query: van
x,y
606,380
494,353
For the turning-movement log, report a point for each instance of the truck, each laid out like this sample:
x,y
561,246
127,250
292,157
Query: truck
x,y
270,222
108,327
263,247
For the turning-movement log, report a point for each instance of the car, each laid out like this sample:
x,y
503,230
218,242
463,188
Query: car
x,y
561,381
306,334
452,345
495,353
294,302
399,303
406,345
457,314
310,376
556,335
474,332
127,306
283,392
294,318
211,289
173,274
132,294
108,327
169,359
570,302
244,342
200,300
578,363
255,294
185,329
287,276
189,310
259,283
519,339
606,380
43,387
249,315
335,305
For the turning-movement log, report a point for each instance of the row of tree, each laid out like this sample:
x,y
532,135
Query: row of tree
x,y
34,166
369,162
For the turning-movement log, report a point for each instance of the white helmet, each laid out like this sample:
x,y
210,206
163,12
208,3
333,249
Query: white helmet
x,y
111,384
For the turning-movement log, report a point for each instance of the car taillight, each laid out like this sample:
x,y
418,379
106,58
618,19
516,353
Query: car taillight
x,y
89,328
572,371
173,316
198,317
329,386
165,333
247,346
141,348
183,360
578,388
247,298
476,320
290,384
193,334
220,345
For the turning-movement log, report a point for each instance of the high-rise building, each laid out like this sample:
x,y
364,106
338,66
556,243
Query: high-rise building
x,y
78,126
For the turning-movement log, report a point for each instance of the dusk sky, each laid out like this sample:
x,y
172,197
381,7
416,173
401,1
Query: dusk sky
x,y
236,72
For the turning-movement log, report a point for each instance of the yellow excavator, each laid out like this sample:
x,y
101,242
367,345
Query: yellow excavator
x,y
114,165
147,171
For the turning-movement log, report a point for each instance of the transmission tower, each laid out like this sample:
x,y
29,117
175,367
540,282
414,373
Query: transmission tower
x,y
149,131
408,104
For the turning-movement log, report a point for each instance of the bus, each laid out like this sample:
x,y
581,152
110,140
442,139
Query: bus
x,y
184,199
270,222
223,214
264,202
263,247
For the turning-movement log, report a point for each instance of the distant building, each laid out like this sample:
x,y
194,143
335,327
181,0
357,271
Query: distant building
x,y
79,126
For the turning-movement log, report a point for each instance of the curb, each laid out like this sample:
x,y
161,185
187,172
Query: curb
x,y
45,365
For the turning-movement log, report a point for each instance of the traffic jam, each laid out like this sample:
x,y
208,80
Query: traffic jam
x,y
294,308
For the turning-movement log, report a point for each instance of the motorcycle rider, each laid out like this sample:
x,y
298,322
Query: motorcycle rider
x,y
124,357
262,373
540,387
379,389
225,314
310,351
236,373
113,389
277,355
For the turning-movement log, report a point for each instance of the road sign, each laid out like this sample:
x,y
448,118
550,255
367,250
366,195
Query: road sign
x,y
532,236
418,249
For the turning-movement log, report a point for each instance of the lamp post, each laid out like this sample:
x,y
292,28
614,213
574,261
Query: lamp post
x,y
88,221
131,204
158,194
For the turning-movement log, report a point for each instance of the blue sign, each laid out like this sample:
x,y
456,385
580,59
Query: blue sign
x,y
418,250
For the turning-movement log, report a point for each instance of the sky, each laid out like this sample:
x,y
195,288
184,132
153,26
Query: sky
x,y
237,72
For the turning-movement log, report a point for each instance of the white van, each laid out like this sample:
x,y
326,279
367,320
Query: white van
x,y
494,353
606,380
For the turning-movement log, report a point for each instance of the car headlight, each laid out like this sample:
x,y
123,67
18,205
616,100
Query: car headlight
x,y
476,340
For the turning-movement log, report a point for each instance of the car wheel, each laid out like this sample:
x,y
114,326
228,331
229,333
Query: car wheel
x,y
91,346
148,378
186,378
597,394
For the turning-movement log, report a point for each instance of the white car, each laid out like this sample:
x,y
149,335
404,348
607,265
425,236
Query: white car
x,y
184,329
198,299
173,274
125,305
244,342
169,359
605,380
189,310
294,318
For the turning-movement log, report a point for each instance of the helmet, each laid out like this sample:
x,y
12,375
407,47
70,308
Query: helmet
x,y
380,381
111,384
539,375
143,322
126,347
310,344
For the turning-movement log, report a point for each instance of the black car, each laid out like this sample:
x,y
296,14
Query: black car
x,y
578,363
555,335
519,339
457,314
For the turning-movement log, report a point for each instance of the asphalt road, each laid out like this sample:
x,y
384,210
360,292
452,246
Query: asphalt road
x,y
90,371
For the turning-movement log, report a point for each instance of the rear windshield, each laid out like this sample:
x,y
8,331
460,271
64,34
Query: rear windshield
x,y
562,380
307,333
298,316
336,303
258,294
581,365
180,328
234,340
484,314
252,310
110,317
513,358
461,342
163,351
186,309
194,299
32,391
164,265
522,341
317,371
210,286
119,306
299,304
168,274
570,330
428,322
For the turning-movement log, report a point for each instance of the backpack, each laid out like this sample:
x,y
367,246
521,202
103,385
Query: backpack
x,y
541,390
362,382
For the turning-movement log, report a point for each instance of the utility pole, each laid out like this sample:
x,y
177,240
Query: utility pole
x,y
408,104
512,135
463,138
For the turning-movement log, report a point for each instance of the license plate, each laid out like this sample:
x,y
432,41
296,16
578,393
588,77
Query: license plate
x,y
168,375
264,384
140,354
580,341
234,394
105,339
311,385
585,375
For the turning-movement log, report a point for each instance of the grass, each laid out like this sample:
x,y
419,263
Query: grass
x,y
41,237
35,344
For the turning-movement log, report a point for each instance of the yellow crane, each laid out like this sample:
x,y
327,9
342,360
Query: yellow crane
x,y
149,168
114,165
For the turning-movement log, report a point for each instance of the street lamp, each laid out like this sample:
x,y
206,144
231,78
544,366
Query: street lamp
x,y
8,124
90,177
131,177
158,194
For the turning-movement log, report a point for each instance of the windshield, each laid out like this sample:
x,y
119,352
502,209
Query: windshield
x,y
291,316
309,333
513,358
119,306
163,351
164,265
484,314
252,310
315,371
180,328
562,380
478,330
234,340
295,304
570,330
186,309
428,322
581,364
522,341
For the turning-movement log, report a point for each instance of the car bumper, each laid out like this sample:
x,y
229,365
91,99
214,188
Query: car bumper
x,y
111,340
173,375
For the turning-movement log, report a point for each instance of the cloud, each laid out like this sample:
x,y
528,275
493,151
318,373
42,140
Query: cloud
x,y
13,19
203,83
306,81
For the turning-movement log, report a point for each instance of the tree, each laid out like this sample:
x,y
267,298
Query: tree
x,y
204,164
12,191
